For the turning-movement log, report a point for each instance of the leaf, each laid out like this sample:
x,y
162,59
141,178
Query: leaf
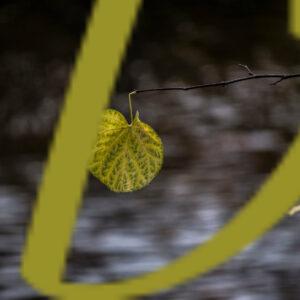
x,y
294,210
126,157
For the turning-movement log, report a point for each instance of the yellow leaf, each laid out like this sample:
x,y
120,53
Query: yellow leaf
x,y
126,157
294,210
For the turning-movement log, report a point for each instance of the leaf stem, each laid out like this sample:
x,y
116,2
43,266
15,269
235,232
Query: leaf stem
x,y
130,105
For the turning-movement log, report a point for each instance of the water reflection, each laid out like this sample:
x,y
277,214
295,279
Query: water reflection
x,y
220,145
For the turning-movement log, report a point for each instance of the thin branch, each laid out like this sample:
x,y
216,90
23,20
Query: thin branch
x,y
247,69
251,76
279,80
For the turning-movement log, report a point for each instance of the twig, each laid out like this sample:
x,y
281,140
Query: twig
x,y
247,69
251,76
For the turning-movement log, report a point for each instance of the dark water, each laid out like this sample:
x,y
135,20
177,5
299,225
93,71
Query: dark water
x,y
220,143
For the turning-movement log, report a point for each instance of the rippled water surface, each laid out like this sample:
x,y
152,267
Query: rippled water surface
x,y
220,143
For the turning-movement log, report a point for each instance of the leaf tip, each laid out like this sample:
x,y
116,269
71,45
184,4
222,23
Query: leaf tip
x,y
137,115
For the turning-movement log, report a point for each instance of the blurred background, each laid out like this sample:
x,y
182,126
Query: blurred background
x,y
220,143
